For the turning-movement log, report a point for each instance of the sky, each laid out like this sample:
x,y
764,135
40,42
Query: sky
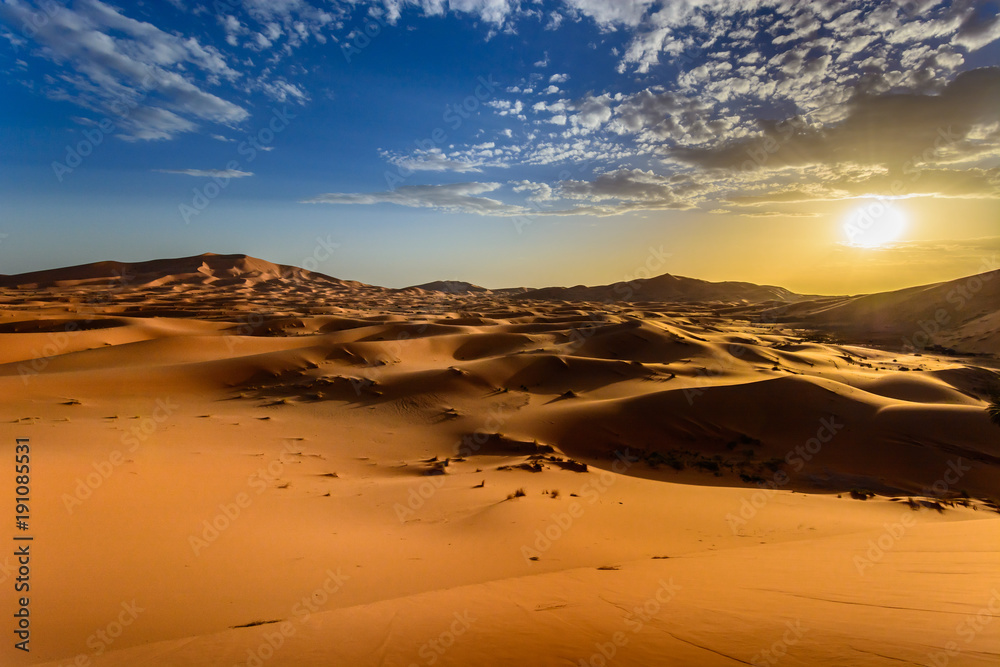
x,y
830,147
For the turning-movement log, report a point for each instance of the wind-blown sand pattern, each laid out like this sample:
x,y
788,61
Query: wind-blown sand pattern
x,y
256,464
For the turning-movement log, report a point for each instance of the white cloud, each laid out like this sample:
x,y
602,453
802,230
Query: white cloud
x,y
283,91
291,22
592,112
607,13
490,11
830,66
154,123
453,198
507,107
433,160
633,185
976,32
208,173
129,70
538,192
554,107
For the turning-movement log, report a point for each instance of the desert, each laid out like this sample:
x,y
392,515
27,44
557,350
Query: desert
x,y
499,333
238,462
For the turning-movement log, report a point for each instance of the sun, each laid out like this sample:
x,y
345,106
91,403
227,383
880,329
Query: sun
x,y
875,225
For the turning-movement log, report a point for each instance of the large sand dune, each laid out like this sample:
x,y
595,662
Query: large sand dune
x,y
247,463
963,315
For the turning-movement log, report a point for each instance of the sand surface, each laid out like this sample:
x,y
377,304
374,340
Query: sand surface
x,y
336,466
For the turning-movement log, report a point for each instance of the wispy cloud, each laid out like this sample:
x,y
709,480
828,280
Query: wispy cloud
x,y
128,70
208,173
435,160
452,197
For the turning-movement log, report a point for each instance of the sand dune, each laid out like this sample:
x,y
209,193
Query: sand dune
x,y
666,288
288,468
223,270
960,314
448,287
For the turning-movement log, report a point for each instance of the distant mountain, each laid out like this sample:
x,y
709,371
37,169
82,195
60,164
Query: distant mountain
x,y
449,287
205,269
221,270
962,314
667,288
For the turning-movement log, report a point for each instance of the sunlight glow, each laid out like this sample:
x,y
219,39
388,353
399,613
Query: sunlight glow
x,y
875,224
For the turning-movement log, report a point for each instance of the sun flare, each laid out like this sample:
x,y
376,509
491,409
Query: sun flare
x,y
875,225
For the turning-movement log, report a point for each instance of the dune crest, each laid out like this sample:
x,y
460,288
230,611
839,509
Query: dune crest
x,y
351,466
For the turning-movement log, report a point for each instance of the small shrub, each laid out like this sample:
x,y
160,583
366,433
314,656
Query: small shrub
x,y
993,410
253,624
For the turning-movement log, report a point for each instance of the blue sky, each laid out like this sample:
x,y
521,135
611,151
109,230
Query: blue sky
x,y
505,142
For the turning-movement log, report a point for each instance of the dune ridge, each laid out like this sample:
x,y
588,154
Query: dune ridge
x,y
247,433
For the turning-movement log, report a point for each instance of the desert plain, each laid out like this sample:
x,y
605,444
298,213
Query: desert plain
x,y
235,462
